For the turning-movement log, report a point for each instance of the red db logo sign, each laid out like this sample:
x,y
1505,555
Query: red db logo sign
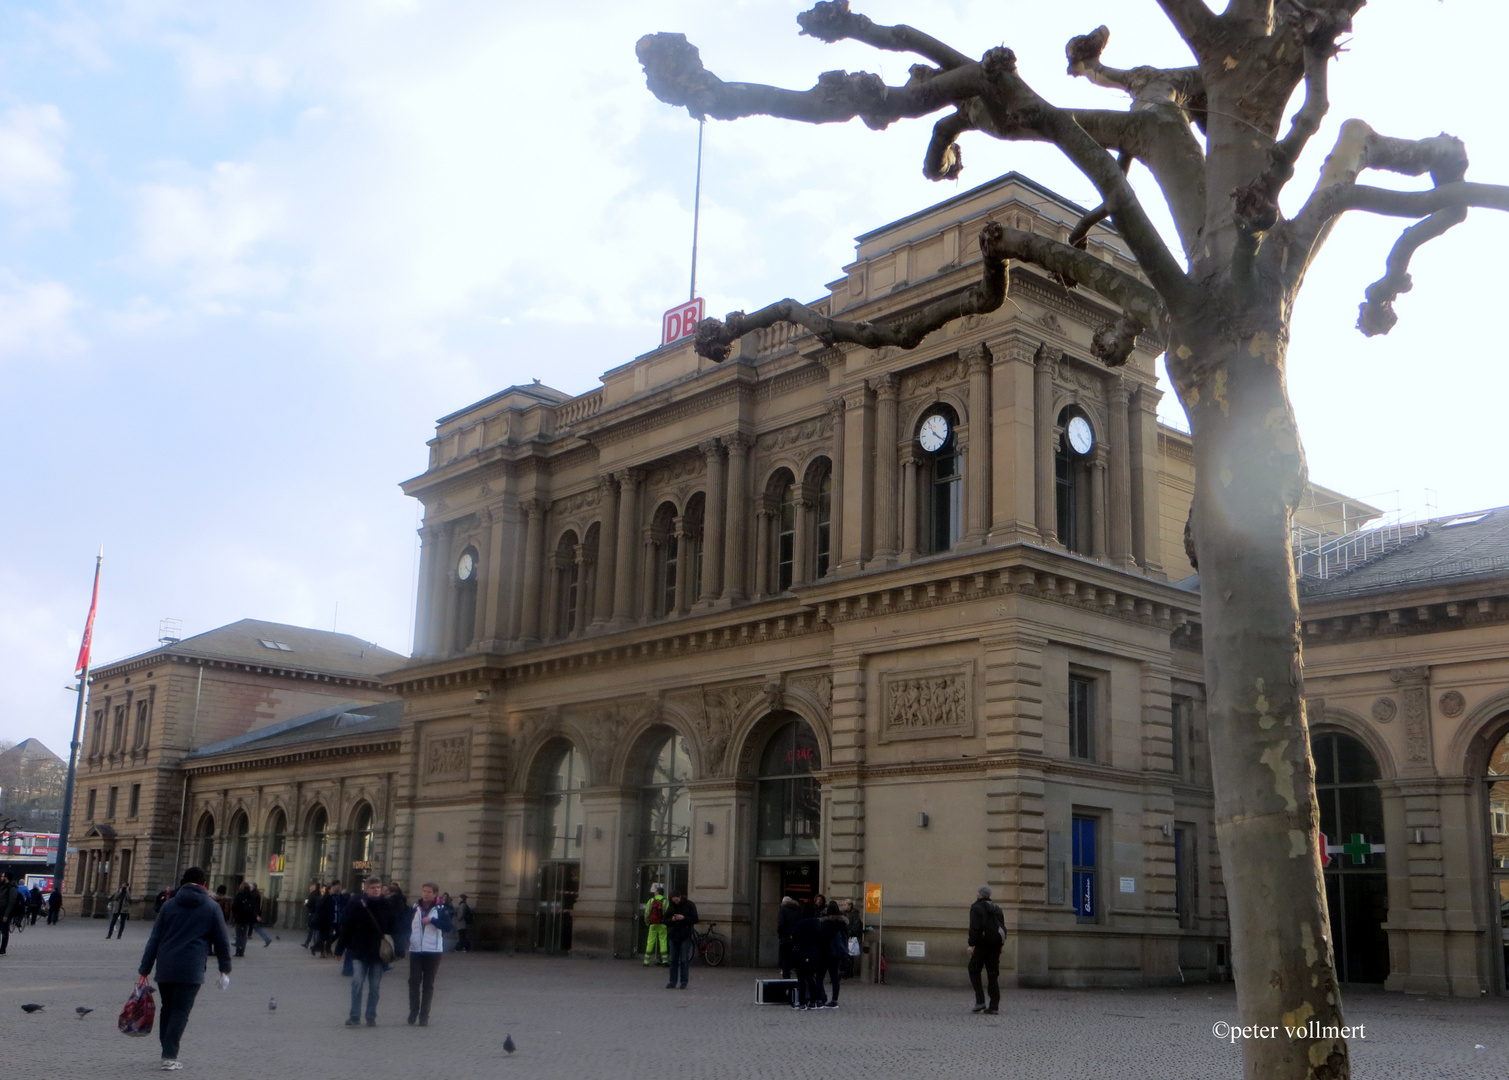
x,y
681,321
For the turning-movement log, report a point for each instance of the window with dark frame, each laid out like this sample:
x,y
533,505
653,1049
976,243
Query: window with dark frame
x,y
139,740
824,523
111,799
89,811
1086,830
785,537
1082,717
1181,713
135,804
944,497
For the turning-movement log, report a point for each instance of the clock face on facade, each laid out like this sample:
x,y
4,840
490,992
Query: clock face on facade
x,y
466,566
1080,435
933,433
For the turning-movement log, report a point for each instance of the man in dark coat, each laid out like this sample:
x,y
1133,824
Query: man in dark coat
x,y
368,917
11,905
34,905
681,916
987,934
54,907
187,929
789,915
401,913
327,922
243,913
809,948
312,913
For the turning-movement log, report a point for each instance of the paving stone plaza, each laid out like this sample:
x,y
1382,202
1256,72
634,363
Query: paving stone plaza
x,y
582,1019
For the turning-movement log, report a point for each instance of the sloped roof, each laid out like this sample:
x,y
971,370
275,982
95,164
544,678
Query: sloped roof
x,y
336,722
27,750
321,651
1461,547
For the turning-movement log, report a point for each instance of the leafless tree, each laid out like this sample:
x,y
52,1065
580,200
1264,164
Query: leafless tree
x,y
1211,136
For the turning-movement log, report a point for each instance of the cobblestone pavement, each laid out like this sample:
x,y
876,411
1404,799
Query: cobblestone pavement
x,y
586,1019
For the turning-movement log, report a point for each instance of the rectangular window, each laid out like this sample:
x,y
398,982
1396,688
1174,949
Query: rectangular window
x,y
1082,717
110,801
1184,874
135,800
1500,821
139,740
1086,885
89,811
97,739
1180,714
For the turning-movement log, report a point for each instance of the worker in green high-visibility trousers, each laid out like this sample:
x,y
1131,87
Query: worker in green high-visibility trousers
x,y
654,917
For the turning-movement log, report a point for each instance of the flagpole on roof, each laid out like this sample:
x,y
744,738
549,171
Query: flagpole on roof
x,y
81,672
697,206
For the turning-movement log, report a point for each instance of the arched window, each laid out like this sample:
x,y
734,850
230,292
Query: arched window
x,y
667,559
363,846
466,599
1351,820
277,842
1071,467
235,866
820,485
321,857
785,533
561,807
942,477
567,567
790,802
690,530
206,842
665,802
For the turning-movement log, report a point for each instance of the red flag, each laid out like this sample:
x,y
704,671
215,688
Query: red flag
x,y
94,600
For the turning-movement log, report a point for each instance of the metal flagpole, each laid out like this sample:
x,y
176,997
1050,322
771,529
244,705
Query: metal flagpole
x,y
697,206
61,858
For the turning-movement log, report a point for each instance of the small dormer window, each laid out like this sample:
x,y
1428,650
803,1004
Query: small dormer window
x,y
277,645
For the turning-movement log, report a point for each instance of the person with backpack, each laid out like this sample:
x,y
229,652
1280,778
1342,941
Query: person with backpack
x,y
34,905
654,917
987,936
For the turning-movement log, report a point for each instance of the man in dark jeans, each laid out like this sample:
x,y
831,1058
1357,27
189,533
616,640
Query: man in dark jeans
x,y
367,919
187,929
987,934
681,917
312,912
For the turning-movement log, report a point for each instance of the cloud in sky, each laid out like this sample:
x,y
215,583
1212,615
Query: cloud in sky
x,y
254,250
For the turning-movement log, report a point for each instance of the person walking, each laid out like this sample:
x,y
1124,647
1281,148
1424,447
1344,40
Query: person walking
x,y
368,919
257,915
680,921
428,921
34,904
224,902
855,923
242,915
789,915
120,910
54,907
835,950
328,921
311,913
187,930
10,904
654,918
463,925
987,935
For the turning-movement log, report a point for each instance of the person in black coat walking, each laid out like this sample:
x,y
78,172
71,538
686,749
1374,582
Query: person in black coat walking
x,y
311,913
369,918
120,912
680,918
835,949
987,935
327,922
187,930
34,905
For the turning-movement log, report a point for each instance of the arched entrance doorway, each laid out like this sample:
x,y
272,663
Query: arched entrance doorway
x,y
318,844
1498,843
559,876
363,848
788,824
1351,817
277,848
235,861
205,852
665,818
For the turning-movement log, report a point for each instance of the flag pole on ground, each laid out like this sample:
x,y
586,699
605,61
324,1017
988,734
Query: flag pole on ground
x,y
81,672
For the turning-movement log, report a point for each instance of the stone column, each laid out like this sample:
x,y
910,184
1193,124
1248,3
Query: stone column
x,y
424,618
683,568
909,511
803,542
1121,475
492,630
555,585
977,483
534,569
762,552
859,479
1146,512
836,503
1013,468
1098,503
735,537
607,549
1043,422
887,388
647,576
584,571
712,524
628,536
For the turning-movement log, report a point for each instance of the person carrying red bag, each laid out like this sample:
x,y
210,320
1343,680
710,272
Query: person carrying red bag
x,y
188,928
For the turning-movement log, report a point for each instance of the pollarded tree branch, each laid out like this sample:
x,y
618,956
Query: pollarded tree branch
x,y
831,20
944,159
1183,87
1112,343
1195,22
1375,315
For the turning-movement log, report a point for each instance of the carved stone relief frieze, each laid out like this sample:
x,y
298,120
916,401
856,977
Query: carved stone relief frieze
x,y
447,757
721,708
818,429
605,727
919,382
927,703
818,686
1414,696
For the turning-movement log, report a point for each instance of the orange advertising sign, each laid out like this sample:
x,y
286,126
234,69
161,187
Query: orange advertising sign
x,y
872,898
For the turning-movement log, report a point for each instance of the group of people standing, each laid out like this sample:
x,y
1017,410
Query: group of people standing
x,y
814,942
19,904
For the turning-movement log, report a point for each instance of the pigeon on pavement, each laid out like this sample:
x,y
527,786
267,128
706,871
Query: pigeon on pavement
x,y
508,1044
83,1012
272,1004
31,1008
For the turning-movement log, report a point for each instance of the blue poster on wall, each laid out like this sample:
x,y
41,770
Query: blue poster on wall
x,y
1084,867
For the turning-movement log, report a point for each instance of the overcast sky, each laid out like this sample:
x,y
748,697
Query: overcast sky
x,y
249,252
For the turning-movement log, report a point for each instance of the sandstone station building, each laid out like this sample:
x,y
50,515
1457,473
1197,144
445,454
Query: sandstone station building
x,y
820,616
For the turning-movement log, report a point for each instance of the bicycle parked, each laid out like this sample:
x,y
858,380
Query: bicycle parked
x,y
712,947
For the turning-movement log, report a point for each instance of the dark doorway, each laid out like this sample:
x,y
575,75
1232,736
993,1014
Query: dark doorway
x,y
559,884
1351,817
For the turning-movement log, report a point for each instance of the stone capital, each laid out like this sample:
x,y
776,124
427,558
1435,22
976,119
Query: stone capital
x,y
629,478
887,387
976,357
737,443
710,449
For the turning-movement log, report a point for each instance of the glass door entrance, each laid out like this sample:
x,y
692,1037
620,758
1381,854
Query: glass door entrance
x,y
672,874
559,883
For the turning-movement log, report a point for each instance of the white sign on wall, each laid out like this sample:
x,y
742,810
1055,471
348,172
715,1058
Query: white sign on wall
x,y
916,948
1129,884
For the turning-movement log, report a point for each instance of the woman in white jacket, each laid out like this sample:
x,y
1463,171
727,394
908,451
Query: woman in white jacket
x,y
428,922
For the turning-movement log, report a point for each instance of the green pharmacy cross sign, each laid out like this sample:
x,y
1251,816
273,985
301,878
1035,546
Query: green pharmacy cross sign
x,y
1357,847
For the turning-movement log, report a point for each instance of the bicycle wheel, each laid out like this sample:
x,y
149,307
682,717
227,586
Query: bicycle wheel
x,y
712,952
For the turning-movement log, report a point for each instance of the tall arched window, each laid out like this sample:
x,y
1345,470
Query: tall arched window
x,y
785,533
1351,819
567,568
820,484
363,846
561,807
1071,466
466,600
790,800
665,802
690,529
943,478
1498,839
206,842
321,857
235,866
666,555
277,847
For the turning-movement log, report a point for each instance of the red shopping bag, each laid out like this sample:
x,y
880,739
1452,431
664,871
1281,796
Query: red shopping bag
x,y
139,1012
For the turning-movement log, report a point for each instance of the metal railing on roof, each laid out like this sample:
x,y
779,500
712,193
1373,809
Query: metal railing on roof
x,y
1318,556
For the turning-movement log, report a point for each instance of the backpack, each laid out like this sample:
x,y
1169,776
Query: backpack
x,y
657,910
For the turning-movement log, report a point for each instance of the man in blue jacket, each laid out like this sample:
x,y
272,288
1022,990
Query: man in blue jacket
x,y
187,929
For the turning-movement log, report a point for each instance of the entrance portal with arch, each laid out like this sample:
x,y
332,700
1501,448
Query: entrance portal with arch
x,y
559,877
788,826
665,826
1498,847
1351,817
